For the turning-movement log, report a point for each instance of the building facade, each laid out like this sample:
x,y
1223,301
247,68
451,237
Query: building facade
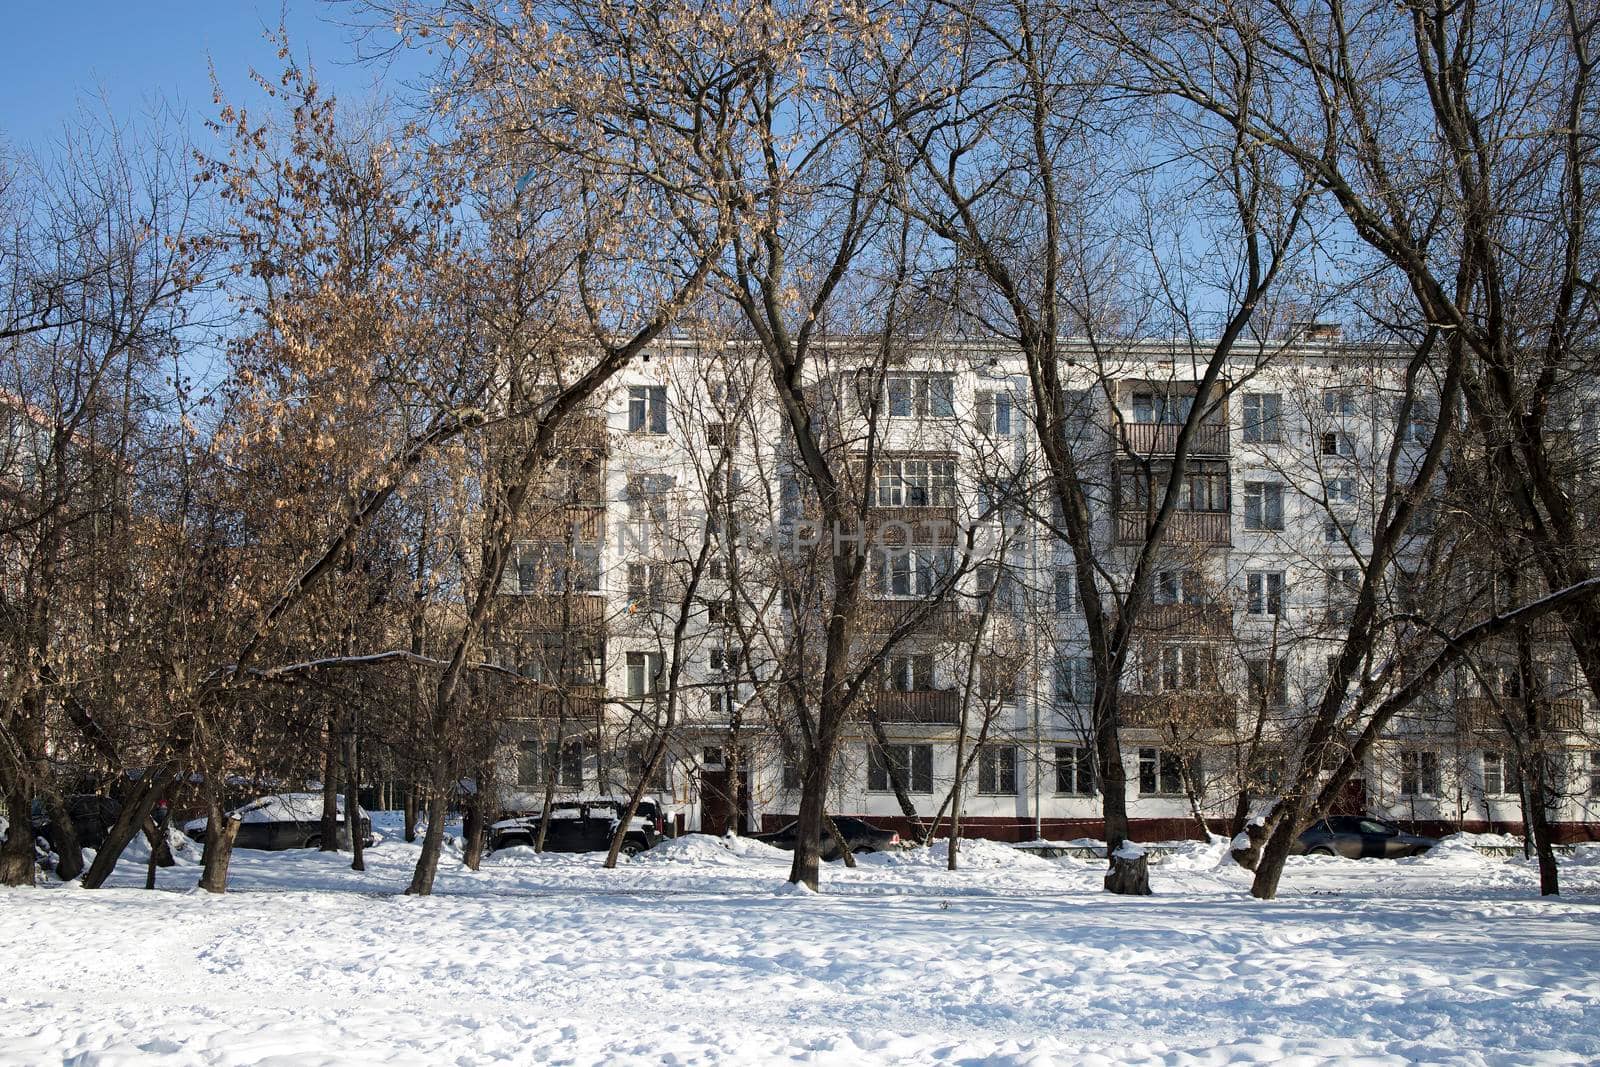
x,y
667,575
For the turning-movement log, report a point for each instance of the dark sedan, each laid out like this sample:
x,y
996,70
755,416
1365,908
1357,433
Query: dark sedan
x,y
1360,837
284,821
859,835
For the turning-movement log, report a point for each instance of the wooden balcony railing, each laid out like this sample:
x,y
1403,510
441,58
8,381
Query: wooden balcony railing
x,y
926,526
1184,527
583,522
1161,438
1483,714
550,612
884,616
1196,709
585,705
941,707
1185,620
587,432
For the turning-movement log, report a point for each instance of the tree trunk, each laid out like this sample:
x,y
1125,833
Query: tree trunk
x,y
157,854
63,838
329,840
432,844
150,791
155,832
475,825
1113,794
1536,823
804,869
352,802
16,855
221,830
840,843
410,813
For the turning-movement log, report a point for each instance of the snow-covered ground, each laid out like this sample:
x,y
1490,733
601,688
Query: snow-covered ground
x,y
693,953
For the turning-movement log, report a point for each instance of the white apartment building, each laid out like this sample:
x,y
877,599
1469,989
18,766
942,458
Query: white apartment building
x,y
1283,479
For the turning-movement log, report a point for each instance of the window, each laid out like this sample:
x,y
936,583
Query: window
x,y
1269,682
637,759
720,612
1500,776
1066,591
1161,772
997,770
1204,486
647,497
537,761
1000,582
1074,770
1416,426
791,772
1151,406
1185,667
1338,402
647,409
1074,676
922,395
909,674
1338,444
1264,592
1594,774
1178,587
644,673
997,683
1344,587
1419,774
549,567
646,586
995,413
1341,490
723,660
910,572
1262,418
912,763
1263,506
916,483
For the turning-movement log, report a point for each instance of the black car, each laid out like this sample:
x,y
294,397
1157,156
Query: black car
x,y
92,817
583,826
284,821
860,835
1359,837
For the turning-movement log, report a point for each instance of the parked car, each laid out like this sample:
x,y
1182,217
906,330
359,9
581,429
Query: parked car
x,y
860,835
1360,837
283,821
581,826
92,816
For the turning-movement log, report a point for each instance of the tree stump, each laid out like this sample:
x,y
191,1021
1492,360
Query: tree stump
x,y
1130,871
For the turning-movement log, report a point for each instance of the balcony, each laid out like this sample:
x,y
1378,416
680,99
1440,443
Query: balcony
x,y
1183,709
584,432
1184,527
1161,438
585,705
935,707
585,523
924,525
1185,620
1482,714
885,616
554,612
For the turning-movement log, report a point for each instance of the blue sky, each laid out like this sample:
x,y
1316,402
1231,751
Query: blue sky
x,y
55,56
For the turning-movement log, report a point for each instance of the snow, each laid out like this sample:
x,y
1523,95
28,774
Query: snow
x,y
698,952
